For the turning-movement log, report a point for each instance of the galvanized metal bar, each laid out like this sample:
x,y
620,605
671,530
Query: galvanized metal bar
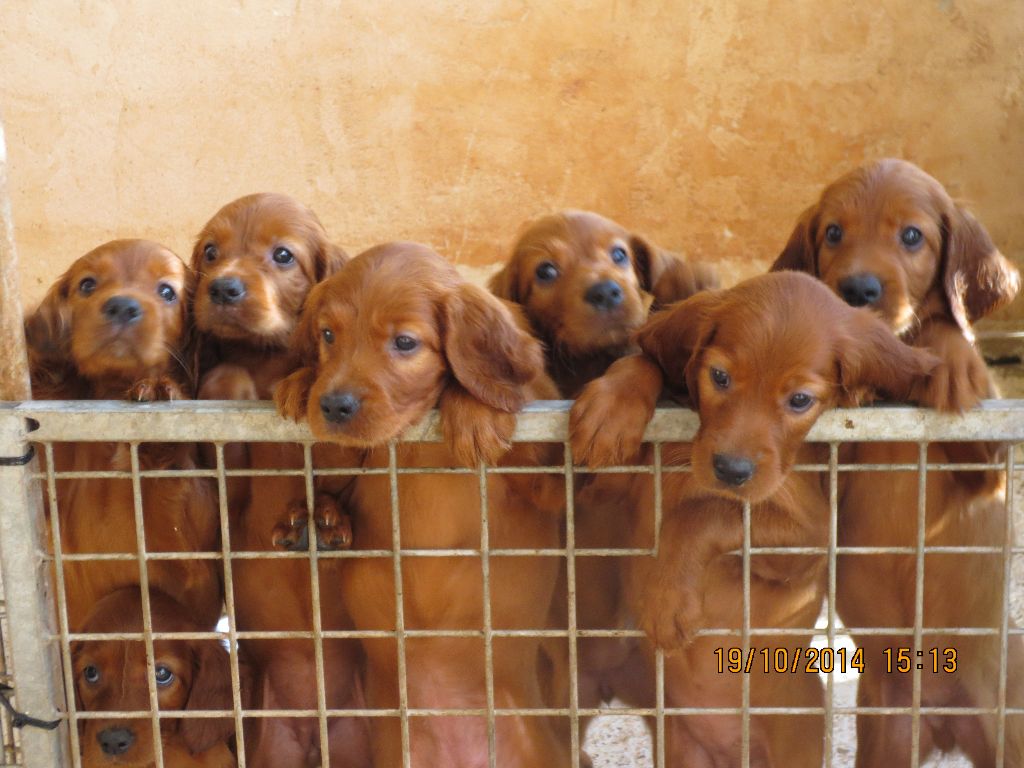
x,y
488,632
745,640
229,604
522,633
26,580
481,712
147,616
659,654
830,607
659,706
922,529
570,579
1004,638
396,543
541,421
62,608
314,591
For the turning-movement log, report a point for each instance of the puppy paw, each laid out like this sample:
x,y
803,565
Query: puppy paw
x,y
333,524
156,389
292,533
608,419
956,385
473,430
228,382
291,395
672,621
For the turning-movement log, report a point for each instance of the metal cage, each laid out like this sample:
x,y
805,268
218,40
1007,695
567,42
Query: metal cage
x,y
37,639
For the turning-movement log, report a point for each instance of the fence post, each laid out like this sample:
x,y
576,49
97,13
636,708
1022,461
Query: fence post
x,y
24,573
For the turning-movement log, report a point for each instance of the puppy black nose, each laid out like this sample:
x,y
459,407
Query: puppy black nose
x,y
860,290
122,310
339,407
115,741
604,296
732,470
227,290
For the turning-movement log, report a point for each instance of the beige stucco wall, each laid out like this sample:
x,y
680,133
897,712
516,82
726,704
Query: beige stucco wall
x,y
707,124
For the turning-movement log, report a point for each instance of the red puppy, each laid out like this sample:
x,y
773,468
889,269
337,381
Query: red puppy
x,y
586,284
112,675
888,236
759,377
114,326
392,335
257,260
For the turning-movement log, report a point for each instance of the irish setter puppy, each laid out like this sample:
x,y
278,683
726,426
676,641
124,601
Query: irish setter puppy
x,y
111,675
887,236
114,326
257,259
395,333
586,284
759,362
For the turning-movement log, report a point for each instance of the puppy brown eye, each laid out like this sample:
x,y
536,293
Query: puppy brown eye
x,y
210,252
800,402
619,255
405,343
911,237
166,292
328,335
164,676
833,234
546,272
91,674
87,286
720,378
283,256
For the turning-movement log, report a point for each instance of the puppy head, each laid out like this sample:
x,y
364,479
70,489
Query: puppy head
x,y
111,675
582,279
889,237
761,361
256,259
388,332
118,313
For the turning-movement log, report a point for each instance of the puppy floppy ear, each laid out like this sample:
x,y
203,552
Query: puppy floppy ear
x,y
328,257
306,336
872,360
505,282
800,253
668,276
977,278
488,349
211,689
674,337
48,331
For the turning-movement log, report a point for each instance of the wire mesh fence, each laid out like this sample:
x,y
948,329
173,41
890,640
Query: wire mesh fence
x,y
743,648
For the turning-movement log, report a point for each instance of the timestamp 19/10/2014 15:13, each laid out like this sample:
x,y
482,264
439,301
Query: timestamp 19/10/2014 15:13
x,y
896,660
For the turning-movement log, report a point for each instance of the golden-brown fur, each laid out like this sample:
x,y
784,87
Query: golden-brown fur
x,y
746,359
392,335
584,333
111,675
248,300
114,326
931,294
584,336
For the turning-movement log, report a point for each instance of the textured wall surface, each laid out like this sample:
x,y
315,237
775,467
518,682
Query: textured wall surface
x,y
707,125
